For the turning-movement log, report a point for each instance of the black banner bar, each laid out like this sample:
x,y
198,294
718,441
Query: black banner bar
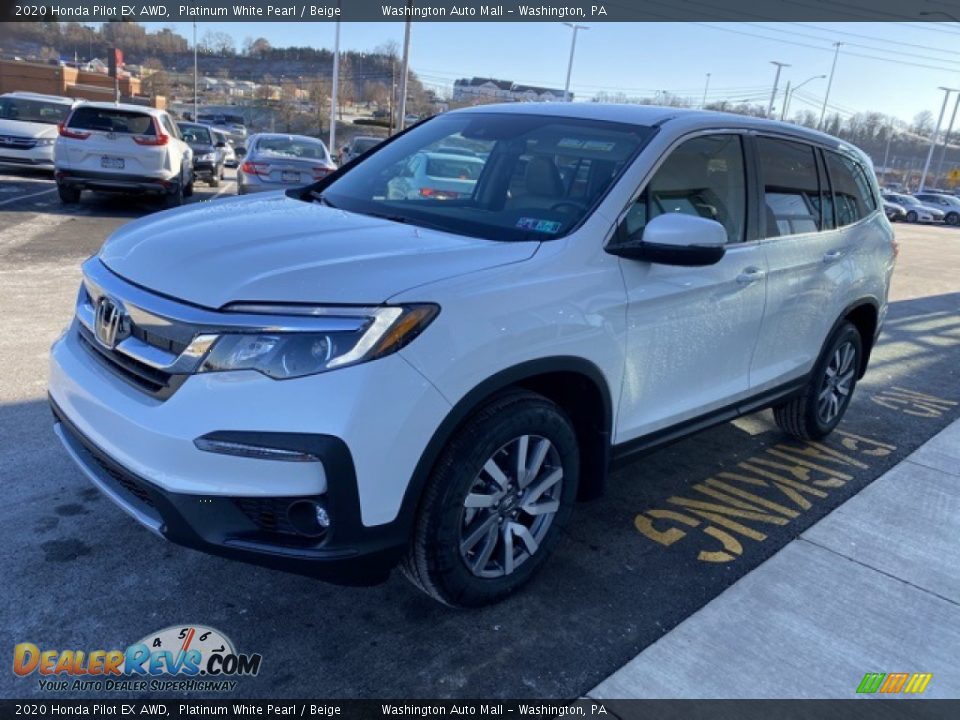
x,y
595,11
180,709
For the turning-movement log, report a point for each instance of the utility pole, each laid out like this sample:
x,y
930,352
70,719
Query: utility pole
x,y
826,96
786,99
776,82
886,153
194,71
405,71
705,88
933,138
573,47
946,138
333,90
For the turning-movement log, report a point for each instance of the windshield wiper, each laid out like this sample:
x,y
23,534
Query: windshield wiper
x,y
319,197
404,220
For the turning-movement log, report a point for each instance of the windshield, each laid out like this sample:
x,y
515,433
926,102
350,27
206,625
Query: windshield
x,y
292,147
196,134
361,146
37,111
498,176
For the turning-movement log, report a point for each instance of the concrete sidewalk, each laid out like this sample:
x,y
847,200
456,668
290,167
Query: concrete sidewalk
x,y
873,587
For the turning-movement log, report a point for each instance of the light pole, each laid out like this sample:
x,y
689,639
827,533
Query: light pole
x,y
573,47
706,87
946,138
194,71
333,90
776,82
826,95
789,93
933,138
404,72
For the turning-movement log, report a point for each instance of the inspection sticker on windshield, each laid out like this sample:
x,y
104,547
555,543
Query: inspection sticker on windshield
x,y
544,226
595,145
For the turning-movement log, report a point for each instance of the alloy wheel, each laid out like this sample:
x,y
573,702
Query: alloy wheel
x,y
510,506
837,383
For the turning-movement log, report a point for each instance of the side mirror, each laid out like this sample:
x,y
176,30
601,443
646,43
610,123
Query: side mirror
x,y
240,151
676,239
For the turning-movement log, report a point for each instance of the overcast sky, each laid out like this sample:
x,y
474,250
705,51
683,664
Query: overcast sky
x,y
893,68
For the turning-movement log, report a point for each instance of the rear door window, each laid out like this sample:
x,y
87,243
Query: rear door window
x,y
852,192
791,187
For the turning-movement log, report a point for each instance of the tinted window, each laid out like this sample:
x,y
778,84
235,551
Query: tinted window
x,y
703,177
501,176
791,187
37,111
196,134
111,120
851,189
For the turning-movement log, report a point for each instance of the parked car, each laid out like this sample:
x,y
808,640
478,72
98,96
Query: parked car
x,y
232,125
948,204
208,152
28,127
435,176
894,212
333,381
357,147
112,147
917,210
273,162
229,153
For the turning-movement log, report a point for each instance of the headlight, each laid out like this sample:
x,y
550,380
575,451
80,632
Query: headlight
x,y
379,331
45,142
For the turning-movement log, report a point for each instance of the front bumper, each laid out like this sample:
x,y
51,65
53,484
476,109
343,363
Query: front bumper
x,y
204,169
115,182
38,156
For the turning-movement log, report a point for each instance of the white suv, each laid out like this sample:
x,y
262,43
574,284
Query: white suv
x,y
28,127
332,381
131,149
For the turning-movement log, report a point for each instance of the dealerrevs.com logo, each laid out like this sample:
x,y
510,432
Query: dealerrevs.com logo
x,y
178,658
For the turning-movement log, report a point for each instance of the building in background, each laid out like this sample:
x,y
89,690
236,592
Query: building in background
x,y
473,89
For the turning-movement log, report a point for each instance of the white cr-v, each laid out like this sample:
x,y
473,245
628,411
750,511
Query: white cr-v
x,y
335,381
132,149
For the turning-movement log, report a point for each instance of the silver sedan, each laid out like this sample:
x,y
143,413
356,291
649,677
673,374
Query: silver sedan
x,y
273,161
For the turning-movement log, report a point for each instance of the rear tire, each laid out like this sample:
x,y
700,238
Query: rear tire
x,y
484,527
175,199
68,195
953,218
911,217
818,409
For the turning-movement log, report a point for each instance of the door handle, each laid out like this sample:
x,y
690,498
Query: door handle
x,y
833,255
751,275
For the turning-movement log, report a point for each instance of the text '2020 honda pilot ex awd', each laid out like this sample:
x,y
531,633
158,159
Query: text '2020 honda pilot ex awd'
x,y
336,380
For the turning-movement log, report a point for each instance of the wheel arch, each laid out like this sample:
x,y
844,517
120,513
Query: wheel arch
x,y
575,384
864,314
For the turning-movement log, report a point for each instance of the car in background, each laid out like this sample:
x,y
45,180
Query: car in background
x,y
949,204
229,153
917,210
231,124
28,127
273,161
207,152
435,176
131,149
894,212
357,147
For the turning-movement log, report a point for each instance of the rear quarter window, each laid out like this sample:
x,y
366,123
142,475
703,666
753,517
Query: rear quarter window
x,y
852,191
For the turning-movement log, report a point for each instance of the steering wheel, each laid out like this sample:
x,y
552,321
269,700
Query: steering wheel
x,y
569,203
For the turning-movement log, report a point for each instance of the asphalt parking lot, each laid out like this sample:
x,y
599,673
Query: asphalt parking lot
x,y
674,530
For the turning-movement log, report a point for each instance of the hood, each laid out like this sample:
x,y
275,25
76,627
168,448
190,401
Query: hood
x,y
272,248
27,129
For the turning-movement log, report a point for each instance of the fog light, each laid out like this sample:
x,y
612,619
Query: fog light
x,y
309,518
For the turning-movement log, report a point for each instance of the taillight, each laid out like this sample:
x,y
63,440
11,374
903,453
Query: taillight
x,y
320,172
254,168
158,138
438,194
75,134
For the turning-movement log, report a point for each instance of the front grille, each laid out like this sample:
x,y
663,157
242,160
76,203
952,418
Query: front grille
x,y
268,513
17,143
155,382
126,482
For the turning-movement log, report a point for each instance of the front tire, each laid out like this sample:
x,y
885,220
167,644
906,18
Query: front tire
x,y
496,502
215,178
818,409
911,217
953,219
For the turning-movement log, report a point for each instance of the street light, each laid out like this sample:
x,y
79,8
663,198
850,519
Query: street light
x,y
573,46
789,93
776,82
936,134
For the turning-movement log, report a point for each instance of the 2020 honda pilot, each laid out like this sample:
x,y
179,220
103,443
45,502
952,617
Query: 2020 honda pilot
x,y
337,379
